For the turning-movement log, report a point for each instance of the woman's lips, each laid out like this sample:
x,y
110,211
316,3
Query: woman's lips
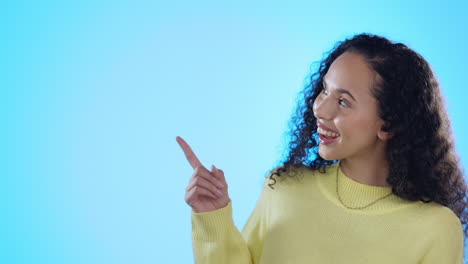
x,y
322,126
326,135
326,140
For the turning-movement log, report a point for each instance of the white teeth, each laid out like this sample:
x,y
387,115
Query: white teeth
x,y
328,133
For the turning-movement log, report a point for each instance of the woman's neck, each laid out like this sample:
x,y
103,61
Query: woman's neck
x,y
372,172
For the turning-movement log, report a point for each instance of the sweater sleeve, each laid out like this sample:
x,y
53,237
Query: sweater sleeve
x,y
215,238
447,245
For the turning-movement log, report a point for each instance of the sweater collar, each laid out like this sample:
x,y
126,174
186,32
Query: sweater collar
x,y
356,194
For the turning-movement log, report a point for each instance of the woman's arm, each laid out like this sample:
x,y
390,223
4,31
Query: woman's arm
x,y
447,244
217,240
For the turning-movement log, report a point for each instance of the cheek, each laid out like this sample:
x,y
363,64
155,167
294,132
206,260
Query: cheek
x,y
356,129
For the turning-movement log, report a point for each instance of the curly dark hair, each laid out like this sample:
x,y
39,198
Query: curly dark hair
x,y
423,164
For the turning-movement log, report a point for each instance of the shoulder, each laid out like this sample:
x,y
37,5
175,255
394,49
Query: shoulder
x,y
441,220
444,234
440,213
292,176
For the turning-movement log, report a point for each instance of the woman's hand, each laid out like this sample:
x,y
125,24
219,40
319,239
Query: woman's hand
x,y
207,190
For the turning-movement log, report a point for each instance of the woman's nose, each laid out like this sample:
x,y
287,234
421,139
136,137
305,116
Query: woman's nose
x,y
323,109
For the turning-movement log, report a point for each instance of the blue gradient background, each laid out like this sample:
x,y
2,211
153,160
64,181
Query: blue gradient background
x,y
93,94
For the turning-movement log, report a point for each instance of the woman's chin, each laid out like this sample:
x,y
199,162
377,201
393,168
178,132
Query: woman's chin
x,y
326,155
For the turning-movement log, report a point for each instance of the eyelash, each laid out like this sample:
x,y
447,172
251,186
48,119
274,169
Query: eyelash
x,y
339,100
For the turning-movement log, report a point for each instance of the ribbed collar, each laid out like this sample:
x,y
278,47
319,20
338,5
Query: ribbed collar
x,y
355,194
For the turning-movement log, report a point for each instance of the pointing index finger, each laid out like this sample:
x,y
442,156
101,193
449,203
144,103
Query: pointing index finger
x,y
191,157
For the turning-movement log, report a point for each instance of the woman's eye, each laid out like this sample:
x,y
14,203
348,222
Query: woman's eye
x,y
342,102
325,91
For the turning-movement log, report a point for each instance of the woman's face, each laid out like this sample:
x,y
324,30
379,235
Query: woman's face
x,y
347,107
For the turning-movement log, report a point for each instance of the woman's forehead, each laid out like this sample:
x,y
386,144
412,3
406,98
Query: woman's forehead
x,y
350,72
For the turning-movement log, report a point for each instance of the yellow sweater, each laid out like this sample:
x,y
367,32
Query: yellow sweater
x,y
302,221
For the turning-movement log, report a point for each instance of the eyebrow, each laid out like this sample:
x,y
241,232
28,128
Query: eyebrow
x,y
343,91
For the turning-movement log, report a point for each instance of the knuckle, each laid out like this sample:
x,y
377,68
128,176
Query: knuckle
x,y
188,199
198,170
197,180
213,178
192,179
223,184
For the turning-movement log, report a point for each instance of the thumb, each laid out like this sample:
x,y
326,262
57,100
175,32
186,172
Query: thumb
x,y
214,170
218,173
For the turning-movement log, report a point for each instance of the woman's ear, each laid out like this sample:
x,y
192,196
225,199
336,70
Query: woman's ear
x,y
383,133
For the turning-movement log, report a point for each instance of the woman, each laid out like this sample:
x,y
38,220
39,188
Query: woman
x,y
371,175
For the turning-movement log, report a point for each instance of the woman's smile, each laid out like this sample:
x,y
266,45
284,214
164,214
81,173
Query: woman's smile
x,y
326,139
326,135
